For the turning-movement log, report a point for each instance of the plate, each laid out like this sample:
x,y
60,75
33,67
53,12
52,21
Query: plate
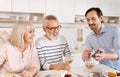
x,y
17,75
96,70
47,73
79,75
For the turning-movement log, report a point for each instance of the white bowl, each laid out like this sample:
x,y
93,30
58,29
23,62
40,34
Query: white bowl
x,y
111,21
105,21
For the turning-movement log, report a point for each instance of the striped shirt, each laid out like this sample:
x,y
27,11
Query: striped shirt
x,y
109,41
51,51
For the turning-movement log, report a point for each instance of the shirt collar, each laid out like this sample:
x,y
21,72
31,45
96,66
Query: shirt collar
x,y
103,30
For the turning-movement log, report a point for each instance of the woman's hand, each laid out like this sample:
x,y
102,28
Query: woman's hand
x,y
29,73
26,73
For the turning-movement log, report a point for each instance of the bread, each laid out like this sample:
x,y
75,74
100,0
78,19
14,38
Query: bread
x,y
9,75
63,72
112,73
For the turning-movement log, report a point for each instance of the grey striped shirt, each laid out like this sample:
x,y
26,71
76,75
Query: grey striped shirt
x,y
51,51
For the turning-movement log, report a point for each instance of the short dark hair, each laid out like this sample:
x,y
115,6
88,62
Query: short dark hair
x,y
98,11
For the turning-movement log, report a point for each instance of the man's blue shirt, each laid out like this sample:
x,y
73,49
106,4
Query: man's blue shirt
x,y
109,41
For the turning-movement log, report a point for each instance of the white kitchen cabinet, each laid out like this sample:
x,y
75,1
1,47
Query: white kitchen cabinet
x,y
80,7
5,5
37,6
53,7
32,6
62,9
114,7
110,7
67,11
105,7
93,3
20,6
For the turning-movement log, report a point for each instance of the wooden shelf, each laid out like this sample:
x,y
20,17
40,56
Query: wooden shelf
x,y
8,17
7,20
111,20
107,19
35,21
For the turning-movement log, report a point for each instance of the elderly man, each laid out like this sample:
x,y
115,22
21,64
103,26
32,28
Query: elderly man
x,y
51,46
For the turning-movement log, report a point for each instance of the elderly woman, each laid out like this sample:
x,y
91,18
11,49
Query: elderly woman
x,y
19,55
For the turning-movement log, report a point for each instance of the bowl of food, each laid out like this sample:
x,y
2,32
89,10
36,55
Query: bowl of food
x,y
112,21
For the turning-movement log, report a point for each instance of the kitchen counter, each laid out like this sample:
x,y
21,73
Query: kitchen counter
x,y
76,71
79,71
77,59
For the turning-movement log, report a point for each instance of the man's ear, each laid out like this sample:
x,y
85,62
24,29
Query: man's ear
x,y
101,18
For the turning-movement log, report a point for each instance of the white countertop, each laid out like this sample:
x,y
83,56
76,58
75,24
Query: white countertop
x,y
77,59
77,67
81,71
100,68
76,71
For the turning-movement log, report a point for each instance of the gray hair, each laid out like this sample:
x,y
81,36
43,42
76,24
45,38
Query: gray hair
x,y
47,18
17,35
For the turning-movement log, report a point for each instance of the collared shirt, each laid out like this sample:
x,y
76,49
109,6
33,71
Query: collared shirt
x,y
109,41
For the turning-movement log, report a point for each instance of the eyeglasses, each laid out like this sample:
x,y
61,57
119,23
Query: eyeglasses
x,y
54,28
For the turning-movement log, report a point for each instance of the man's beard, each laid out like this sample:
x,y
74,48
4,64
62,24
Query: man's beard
x,y
51,36
92,26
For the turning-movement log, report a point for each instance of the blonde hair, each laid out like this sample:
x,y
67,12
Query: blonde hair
x,y
47,18
17,35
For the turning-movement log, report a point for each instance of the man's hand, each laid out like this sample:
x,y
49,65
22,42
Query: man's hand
x,y
86,54
60,66
101,55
